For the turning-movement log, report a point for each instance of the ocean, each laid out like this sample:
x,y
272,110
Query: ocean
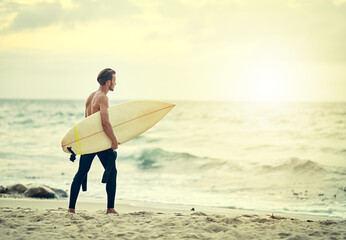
x,y
275,157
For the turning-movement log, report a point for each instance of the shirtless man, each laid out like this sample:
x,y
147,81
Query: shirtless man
x,y
98,102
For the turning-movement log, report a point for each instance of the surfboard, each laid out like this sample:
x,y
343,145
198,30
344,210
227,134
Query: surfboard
x,y
128,121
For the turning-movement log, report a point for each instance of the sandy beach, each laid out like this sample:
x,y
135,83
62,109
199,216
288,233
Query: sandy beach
x,y
49,219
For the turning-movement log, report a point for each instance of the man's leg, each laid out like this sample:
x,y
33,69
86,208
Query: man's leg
x,y
84,167
107,159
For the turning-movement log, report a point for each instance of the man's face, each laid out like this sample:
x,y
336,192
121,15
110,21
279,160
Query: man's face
x,y
113,83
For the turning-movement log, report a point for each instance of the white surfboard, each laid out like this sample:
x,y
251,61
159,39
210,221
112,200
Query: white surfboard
x,y
128,121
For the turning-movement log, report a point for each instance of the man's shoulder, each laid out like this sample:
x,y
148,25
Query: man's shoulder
x,y
102,99
91,96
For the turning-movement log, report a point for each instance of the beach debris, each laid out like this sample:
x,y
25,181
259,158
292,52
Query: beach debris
x,y
275,217
192,209
309,221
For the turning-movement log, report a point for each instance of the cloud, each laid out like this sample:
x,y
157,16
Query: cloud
x,y
313,30
42,14
38,15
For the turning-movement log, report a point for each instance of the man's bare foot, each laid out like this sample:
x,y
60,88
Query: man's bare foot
x,y
71,210
112,210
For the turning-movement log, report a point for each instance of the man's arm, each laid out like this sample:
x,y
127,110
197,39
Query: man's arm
x,y
107,127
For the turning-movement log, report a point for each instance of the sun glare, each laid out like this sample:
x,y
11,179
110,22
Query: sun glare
x,y
267,85
267,81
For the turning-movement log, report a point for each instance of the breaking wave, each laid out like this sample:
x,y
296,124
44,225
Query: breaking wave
x,y
296,166
157,157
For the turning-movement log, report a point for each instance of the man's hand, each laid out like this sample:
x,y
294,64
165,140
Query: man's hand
x,y
115,145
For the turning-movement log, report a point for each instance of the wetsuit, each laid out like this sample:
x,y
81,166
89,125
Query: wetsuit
x,y
107,158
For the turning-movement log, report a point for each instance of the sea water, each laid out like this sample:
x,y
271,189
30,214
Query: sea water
x,y
275,157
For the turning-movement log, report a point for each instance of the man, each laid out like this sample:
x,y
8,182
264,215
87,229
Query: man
x,y
98,102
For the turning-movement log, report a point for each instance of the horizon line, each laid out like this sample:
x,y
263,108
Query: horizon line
x,y
181,100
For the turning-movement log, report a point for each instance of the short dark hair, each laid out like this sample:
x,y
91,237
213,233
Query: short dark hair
x,y
105,75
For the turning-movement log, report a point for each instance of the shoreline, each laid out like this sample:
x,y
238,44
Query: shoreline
x,y
126,206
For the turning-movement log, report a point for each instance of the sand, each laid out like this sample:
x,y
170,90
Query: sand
x,y
49,219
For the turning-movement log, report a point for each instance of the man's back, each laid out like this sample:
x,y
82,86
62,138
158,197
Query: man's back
x,y
92,104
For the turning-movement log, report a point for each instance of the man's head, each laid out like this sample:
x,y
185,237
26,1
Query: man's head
x,y
106,75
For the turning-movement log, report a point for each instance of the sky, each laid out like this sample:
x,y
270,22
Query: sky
x,y
233,50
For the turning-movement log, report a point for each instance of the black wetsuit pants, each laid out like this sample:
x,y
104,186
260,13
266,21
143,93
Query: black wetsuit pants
x,y
107,158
